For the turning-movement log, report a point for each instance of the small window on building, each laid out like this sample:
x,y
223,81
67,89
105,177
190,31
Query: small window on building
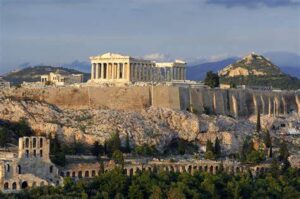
x,y
7,168
51,169
6,186
34,142
41,142
14,186
27,142
41,153
27,153
34,153
80,174
19,171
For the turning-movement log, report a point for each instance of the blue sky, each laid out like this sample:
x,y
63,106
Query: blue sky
x,y
61,31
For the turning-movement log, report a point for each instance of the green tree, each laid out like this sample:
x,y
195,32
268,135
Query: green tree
x,y
118,157
209,153
212,79
97,149
181,147
22,128
258,124
217,148
58,156
176,193
156,193
268,142
283,151
135,192
127,144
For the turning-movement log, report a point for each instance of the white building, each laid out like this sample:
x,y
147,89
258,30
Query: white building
x,y
60,79
116,68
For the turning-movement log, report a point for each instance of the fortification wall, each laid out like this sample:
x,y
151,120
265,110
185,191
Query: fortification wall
x,y
233,102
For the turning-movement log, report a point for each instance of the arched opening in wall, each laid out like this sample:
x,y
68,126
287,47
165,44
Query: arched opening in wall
x,y
205,168
87,174
137,170
41,153
190,169
41,142
183,168
238,170
34,153
195,168
27,153
68,174
172,169
51,169
34,142
33,184
6,186
62,174
217,168
19,169
167,169
80,174
211,169
7,168
200,168
42,183
24,185
93,173
131,172
73,174
27,142
14,186
149,169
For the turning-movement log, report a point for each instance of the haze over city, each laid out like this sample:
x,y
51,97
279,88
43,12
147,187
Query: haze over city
x,y
55,32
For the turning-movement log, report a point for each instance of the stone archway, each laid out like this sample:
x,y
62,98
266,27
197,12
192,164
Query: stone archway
x,y
24,185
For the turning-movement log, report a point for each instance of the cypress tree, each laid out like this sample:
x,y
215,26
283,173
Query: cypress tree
x,y
217,148
258,125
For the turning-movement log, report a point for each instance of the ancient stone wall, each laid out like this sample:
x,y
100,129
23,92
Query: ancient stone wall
x,y
233,102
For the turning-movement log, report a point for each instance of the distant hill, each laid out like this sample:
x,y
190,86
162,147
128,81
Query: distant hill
x,y
198,72
33,74
256,70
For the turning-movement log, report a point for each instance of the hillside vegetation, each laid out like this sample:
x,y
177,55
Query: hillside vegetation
x,y
33,74
256,70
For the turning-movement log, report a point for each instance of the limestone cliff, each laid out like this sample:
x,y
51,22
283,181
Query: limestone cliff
x,y
153,126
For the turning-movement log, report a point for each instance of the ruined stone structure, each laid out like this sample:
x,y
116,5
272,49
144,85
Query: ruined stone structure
x,y
116,68
60,79
233,102
32,167
191,166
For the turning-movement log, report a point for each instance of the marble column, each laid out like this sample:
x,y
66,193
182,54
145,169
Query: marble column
x,y
97,71
92,72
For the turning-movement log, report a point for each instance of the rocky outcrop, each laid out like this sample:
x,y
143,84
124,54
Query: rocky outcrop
x,y
153,126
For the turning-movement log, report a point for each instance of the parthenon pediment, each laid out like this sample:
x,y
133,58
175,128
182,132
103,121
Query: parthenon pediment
x,y
113,55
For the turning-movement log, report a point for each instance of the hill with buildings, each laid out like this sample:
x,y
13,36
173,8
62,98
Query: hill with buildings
x,y
33,74
256,70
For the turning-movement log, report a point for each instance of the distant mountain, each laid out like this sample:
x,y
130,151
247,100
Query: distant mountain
x,y
256,70
82,66
33,74
198,72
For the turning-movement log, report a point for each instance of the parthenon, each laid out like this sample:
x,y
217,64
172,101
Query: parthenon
x,y
111,67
